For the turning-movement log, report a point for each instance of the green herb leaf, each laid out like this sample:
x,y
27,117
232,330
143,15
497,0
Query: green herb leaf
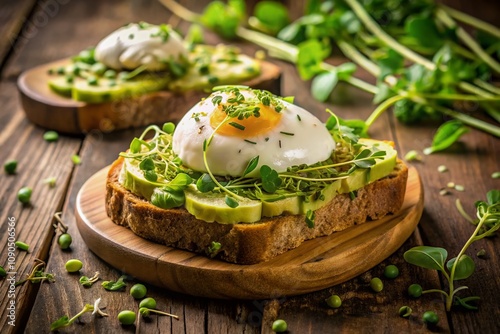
x,y
446,135
115,286
168,127
224,19
270,179
147,164
427,257
323,84
150,175
391,63
180,182
231,202
214,248
205,183
493,197
272,16
135,145
309,59
252,164
167,198
310,215
465,267
424,30
60,323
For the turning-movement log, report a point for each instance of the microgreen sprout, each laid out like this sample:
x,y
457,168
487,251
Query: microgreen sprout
x,y
88,282
405,311
65,321
115,286
462,266
75,158
145,312
37,274
50,181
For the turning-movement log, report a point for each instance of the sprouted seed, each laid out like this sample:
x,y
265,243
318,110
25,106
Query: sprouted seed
x,y
413,155
22,246
495,175
481,254
450,184
443,192
459,187
75,158
442,168
405,311
50,181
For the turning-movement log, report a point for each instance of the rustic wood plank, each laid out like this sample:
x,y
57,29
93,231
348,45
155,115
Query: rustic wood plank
x,y
13,16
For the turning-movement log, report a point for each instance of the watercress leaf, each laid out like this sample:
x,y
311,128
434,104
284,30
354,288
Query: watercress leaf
x,y
323,84
205,183
346,70
427,257
493,197
291,32
180,182
231,202
447,134
59,323
224,19
273,15
309,58
150,175
390,63
424,31
135,145
147,164
167,198
270,179
331,122
252,164
465,267
350,22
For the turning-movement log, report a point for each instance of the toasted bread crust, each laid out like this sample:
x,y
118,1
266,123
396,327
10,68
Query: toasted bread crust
x,y
251,243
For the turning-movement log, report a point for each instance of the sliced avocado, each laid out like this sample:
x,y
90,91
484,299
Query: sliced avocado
x,y
316,201
61,86
288,205
361,177
131,177
213,208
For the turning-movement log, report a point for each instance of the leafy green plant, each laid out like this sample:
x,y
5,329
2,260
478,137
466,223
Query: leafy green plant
x,y
66,321
37,274
115,286
462,266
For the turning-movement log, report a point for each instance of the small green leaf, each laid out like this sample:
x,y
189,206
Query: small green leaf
x,y
384,92
493,197
391,63
168,127
180,182
427,257
447,134
252,164
60,323
323,84
309,59
147,164
231,202
115,286
135,145
346,70
465,267
424,30
150,175
270,179
205,183
167,198
273,15
310,215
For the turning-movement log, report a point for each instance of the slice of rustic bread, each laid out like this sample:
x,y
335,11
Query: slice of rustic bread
x,y
257,242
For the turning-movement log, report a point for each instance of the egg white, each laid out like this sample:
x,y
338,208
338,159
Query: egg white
x,y
298,138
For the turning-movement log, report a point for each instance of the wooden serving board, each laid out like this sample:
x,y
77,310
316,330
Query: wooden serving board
x,y
47,109
315,265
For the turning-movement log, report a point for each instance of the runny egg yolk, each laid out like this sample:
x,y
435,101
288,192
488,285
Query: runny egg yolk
x,y
248,127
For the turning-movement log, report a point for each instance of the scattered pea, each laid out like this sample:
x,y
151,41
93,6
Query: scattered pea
x,y
51,136
413,156
391,271
405,311
10,166
334,301
148,303
64,241
415,290
22,245
450,184
75,158
126,317
442,168
443,192
376,284
138,291
73,265
24,195
430,318
3,273
459,187
50,181
495,175
279,326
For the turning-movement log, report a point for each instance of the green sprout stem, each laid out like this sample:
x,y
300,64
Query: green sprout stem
x,y
86,308
471,20
383,107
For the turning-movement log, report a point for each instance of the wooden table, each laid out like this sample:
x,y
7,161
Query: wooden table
x,y
35,33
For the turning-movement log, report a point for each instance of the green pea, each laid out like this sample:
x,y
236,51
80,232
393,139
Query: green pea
x,y
24,195
415,290
73,265
148,303
51,136
334,301
110,74
3,273
430,317
376,284
126,317
64,241
138,291
405,311
10,166
279,326
92,81
21,245
391,271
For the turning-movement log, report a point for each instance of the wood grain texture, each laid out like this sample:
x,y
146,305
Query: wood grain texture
x,y
47,109
315,265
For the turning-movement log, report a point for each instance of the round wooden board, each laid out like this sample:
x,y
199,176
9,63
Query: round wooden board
x,y
47,109
315,265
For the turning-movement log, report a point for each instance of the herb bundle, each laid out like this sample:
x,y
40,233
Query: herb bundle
x,y
426,64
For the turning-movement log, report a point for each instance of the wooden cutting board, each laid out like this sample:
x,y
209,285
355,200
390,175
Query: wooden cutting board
x,y
55,112
315,265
